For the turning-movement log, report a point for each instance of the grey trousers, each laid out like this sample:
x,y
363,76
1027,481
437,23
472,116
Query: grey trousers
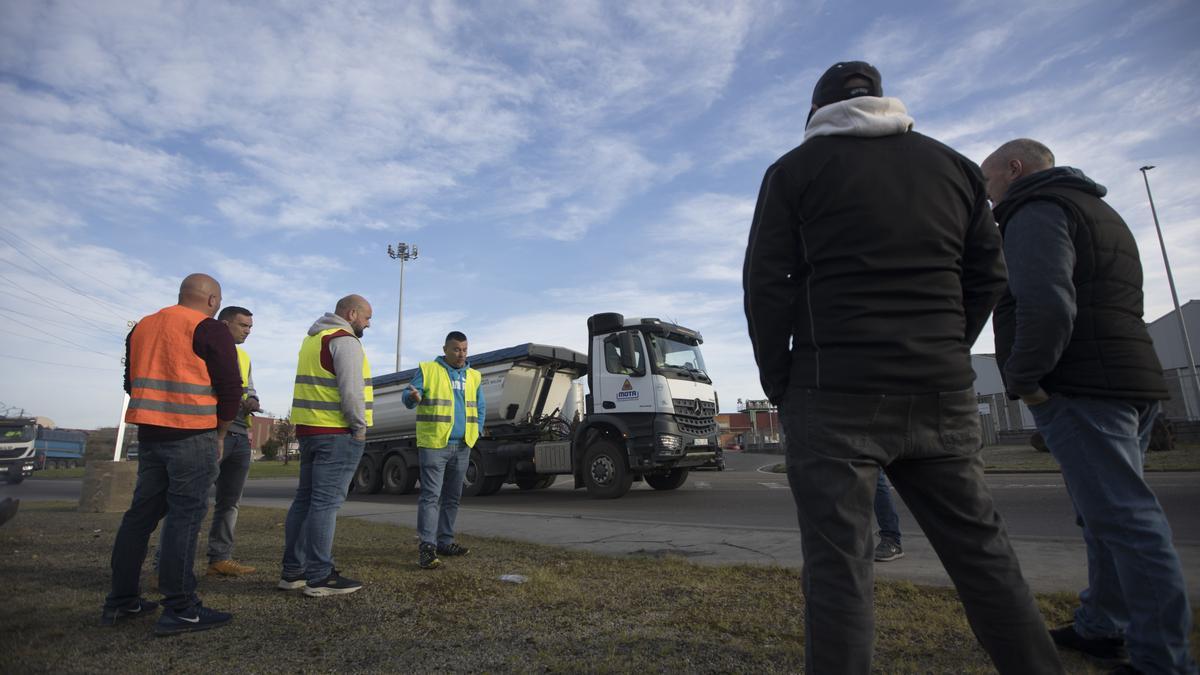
x,y
235,465
929,446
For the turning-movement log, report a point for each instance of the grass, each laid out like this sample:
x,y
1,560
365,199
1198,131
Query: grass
x,y
262,469
577,612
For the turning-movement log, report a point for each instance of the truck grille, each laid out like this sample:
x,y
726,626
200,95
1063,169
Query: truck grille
x,y
10,453
694,416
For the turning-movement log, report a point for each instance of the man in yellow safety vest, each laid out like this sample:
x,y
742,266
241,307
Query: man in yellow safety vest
x,y
331,408
448,397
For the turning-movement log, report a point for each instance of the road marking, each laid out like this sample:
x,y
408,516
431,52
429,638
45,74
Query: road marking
x,y
702,485
774,486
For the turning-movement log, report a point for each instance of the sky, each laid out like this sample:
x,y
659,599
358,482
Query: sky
x,y
549,160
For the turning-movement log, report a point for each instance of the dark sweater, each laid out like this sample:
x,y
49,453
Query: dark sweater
x,y
872,266
213,343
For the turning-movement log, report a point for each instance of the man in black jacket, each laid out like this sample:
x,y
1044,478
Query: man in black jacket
x,y
872,266
1071,343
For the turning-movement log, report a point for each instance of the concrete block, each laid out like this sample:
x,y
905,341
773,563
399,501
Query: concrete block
x,y
107,486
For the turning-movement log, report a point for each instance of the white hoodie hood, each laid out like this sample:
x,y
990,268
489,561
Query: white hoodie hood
x,y
862,116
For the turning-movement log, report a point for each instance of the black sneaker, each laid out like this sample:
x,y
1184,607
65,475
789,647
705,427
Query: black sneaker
x,y
290,582
199,617
334,584
1107,649
109,616
452,550
888,550
427,558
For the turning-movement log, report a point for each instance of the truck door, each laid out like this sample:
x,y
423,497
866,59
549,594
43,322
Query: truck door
x,y
624,384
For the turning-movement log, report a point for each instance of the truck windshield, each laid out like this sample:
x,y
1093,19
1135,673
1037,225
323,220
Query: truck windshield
x,y
679,359
16,433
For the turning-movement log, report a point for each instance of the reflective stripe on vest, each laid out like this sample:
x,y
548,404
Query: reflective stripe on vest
x,y
169,384
435,412
316,401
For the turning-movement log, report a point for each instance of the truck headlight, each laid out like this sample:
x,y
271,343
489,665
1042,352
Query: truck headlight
x,y
670,442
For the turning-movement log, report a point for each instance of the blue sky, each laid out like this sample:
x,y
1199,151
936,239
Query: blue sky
x,y
550,160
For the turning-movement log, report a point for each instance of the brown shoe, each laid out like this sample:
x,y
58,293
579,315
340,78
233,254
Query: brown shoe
x,y
228,568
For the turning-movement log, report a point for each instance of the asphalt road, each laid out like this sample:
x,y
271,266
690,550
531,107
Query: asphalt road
x,y
744,514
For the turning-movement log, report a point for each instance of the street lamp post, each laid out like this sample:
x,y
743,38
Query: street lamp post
x,y
403,252
1187,344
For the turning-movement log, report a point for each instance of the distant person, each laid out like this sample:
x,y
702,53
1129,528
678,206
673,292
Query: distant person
x,y
1071,344
182,378
872,265
448,396
889,548
235,462
331,408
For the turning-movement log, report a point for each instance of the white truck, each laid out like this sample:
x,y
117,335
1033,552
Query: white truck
x,y
650,415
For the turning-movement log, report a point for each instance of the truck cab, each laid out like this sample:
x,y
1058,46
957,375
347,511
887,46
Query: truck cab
x,y
652,398
17,452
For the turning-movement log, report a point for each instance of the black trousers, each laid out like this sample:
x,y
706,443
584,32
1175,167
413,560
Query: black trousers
x,y
929,446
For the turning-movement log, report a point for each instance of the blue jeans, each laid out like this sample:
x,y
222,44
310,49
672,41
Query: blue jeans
x,y
442,474
327,463
836,444
1135,581
885,511
173,481
235,465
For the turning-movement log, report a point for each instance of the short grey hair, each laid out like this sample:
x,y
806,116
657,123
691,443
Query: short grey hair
x,y
1034,156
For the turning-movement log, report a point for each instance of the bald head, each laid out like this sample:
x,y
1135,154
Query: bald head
x,y
201,293
1012,161
356,311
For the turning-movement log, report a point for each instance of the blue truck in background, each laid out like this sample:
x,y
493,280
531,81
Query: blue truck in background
x,y
31,443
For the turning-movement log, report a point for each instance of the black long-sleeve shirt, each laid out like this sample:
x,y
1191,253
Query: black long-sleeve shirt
x,y
213,343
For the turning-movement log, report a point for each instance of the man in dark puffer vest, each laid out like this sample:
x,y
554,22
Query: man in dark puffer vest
x,y
1071,344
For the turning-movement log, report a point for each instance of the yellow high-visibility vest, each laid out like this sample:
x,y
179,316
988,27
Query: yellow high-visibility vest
x,y
435,412
244,369
315,398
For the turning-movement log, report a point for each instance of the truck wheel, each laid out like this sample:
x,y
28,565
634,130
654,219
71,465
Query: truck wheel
x,y
367,479
398,479
604,471
473,481
667,481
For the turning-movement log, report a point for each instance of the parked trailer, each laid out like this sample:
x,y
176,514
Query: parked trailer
x,y
651,415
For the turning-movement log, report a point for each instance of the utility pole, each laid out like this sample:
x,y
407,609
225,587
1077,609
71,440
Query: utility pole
x,y
403,252
1187,344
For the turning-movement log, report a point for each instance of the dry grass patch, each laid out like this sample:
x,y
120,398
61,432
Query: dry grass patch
x,y
577,612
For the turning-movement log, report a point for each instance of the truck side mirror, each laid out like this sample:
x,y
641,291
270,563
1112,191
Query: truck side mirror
x,y
628,351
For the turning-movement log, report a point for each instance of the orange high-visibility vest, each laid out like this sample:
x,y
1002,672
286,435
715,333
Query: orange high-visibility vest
x,y
169,384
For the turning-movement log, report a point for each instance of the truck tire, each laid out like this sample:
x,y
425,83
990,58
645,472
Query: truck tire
x,y
367,478
667,481
604,471
397,478
475,483
536,482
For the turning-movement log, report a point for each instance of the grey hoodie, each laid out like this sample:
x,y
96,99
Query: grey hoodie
x,y
347,353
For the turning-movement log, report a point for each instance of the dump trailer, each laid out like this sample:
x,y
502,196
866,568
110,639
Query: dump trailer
x,y
31,443
651,415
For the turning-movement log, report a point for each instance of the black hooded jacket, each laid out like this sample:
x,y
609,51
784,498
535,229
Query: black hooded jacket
x,y
1071,321
872,266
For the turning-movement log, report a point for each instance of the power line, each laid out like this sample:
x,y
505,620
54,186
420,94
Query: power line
x,y
51,255
42,331
53,304
53,363
60,279
69,326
